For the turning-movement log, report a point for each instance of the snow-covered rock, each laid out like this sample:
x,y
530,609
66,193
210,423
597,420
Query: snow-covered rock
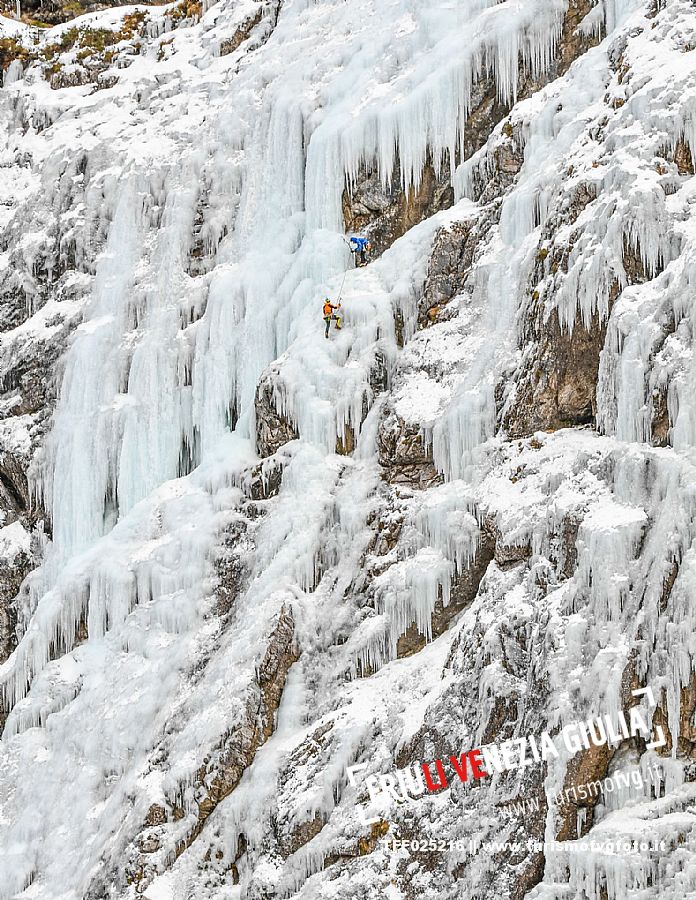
x,y
239,558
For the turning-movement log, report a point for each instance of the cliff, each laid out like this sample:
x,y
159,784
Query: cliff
x,y
238,559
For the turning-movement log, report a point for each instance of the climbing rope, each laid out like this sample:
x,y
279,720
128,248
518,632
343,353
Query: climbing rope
x,y
342,283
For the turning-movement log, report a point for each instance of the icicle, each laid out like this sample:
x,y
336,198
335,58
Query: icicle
x,y
607,541
405,594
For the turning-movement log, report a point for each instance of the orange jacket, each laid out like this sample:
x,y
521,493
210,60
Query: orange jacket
x,y
328,307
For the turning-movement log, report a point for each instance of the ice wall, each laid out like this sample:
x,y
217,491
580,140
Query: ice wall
x,y
152,434
143,397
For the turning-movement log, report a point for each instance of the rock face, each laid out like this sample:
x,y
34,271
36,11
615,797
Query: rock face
x,y
456,248
258,27
15,567
467,519
241,34
223,772
169,830
27,397
403,456
273,429
385,214
16,552
561,388
450,262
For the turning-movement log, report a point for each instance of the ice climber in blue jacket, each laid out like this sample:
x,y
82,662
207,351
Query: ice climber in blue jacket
x,y
360,247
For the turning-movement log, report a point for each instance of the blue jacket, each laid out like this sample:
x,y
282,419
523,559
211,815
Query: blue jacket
x,y
358,244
